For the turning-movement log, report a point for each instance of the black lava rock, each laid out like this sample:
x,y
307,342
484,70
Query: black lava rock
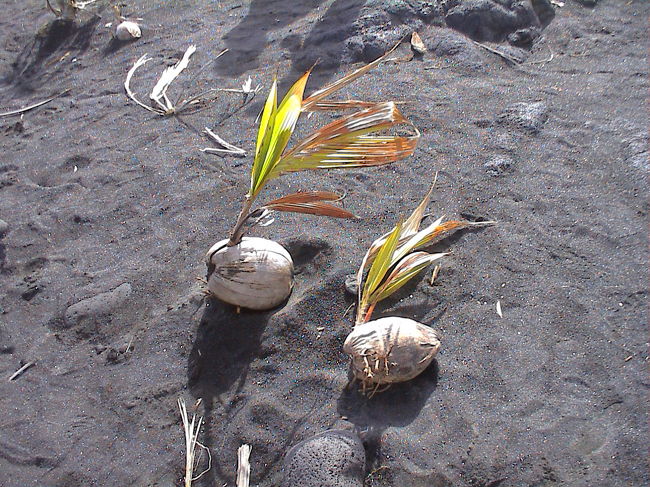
x,y
334,458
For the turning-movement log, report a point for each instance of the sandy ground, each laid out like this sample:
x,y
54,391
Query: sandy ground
x,y
108,211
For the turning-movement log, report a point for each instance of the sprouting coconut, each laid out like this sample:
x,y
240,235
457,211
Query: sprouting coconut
x,y
394,349
257,273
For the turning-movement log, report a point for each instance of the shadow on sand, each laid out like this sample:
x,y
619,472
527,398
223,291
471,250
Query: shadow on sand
x,y
323,44
58,37
397,406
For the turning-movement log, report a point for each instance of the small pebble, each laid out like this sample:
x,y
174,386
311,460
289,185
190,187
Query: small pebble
x,y
351,284
498,164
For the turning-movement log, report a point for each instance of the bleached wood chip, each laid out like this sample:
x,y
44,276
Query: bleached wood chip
x,y
243,466
35,105
416,43
159,91
229,148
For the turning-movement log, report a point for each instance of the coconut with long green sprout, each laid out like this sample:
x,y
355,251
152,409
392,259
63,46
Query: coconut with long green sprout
x,y
395,349
256,273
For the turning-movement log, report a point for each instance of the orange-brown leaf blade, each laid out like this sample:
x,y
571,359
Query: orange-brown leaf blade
x,y
310,102
307,197
345,143
315,208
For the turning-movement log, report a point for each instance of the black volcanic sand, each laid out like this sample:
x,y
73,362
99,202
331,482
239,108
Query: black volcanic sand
x,y
108,211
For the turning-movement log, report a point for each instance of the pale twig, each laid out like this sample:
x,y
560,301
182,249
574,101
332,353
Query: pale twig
x,y
192,429
243,466
229,148
162,104
501,54
35,105
434,274
21,370
127,84
543,61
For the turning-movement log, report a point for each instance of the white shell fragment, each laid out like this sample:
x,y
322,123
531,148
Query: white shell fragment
x,y
390,350
417,45
127,31
255,274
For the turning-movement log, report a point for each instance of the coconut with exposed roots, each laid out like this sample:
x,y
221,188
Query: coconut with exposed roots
x,y
258,273
389,350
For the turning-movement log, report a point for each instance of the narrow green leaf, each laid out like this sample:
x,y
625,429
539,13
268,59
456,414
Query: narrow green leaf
x,y
406,269
264,135
281,127
381,264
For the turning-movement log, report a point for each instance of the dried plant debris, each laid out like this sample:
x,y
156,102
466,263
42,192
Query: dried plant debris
x,y
67,9
192,429
417,45
227,148
162,105
243,466
20,111
244,271
394,349
247,90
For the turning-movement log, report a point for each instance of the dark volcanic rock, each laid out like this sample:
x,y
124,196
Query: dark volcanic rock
x,y
447,43
490,20
528,117
499,164
335,458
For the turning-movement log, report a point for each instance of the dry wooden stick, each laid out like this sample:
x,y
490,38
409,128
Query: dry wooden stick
x,y
503,55
21,370
229,148
35,105
243,466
